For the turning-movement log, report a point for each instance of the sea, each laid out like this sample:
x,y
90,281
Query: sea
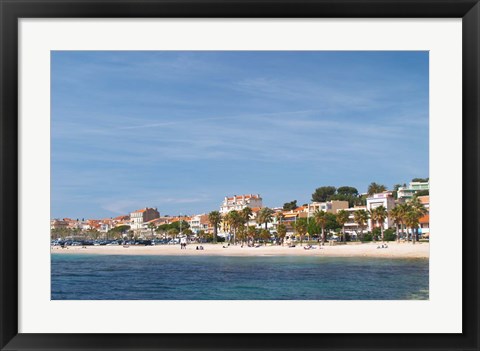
x,y
110,277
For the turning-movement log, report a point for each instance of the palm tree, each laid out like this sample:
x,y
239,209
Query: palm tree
x,y
282,232
379,214
300,227
242,234
265,235
396,215
234,220
252,233
375,188
321,219
265,215
403,209
279,216
342,218
411,220
361,217
214,218
173,232
246,213
419,211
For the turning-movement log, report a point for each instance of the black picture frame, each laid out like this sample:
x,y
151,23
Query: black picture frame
x,y
12,10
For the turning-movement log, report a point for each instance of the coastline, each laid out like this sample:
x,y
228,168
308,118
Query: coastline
x,y
394,250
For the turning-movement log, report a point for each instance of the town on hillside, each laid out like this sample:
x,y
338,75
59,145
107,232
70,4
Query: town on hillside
x,y
337,215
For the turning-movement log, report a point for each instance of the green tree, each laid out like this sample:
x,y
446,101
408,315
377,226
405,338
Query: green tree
x,y
300,227
252,233
180,225
396,215
59,233
246,214
265,215
342,218
347,190
281,232
93,234
422,193
361,218
173,232
288,206
375,188
242,234
323,193
214,218
116,232
265,235
321,219
163,228
234,221
201,235
378,215
389,235
421,180
402,212
332,223
416,210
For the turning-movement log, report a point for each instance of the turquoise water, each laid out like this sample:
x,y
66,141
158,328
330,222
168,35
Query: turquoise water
x,y
102,277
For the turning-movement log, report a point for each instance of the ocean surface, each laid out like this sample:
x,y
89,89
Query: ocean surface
x,y
105,277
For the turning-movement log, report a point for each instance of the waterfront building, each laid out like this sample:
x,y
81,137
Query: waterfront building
x,y
405,193
240,202
199,222
424,229
139,217
384,199
330,206
58,224
351,227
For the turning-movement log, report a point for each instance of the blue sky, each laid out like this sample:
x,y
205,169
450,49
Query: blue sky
x,y
181,130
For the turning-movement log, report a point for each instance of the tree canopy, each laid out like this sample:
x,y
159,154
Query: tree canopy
x,y
288,206
375,188
324,193
120,229
422,193
421,180
343,193
347,190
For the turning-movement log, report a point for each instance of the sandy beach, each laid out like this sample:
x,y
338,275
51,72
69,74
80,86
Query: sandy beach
x,y
394,250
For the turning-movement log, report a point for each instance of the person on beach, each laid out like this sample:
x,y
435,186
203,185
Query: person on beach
x,y
183,243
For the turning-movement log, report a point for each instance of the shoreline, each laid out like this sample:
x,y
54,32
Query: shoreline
x,y
394,250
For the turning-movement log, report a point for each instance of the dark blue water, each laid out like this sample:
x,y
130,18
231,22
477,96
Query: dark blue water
x,y
98,277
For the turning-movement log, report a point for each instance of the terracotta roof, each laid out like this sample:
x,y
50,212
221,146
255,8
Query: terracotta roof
x,y
123,217
424,199
425,219
300,208
245,196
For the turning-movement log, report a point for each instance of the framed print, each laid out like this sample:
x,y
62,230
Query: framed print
x,y
221,175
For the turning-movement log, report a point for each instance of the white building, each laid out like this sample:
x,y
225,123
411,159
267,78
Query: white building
x,y
384,199
351,227
413,187
139,217
199,222
238,203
